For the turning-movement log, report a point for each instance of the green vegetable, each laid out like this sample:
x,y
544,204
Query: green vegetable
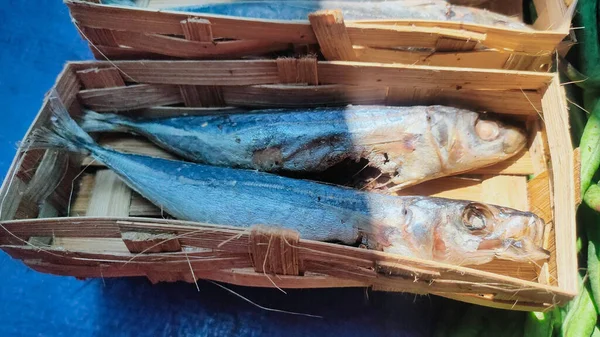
x,y
592,226
581,317
596,332
590,149
592,198
539,324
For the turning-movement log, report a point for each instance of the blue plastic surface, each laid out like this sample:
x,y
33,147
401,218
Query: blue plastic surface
x,y
36,39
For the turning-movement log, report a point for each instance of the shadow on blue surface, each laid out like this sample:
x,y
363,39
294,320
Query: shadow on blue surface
x,y
35,42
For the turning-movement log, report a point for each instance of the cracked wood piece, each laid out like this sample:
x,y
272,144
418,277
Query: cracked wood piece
x,y
274,250
445,44
141,242
110,196
196,29
96,78
331,33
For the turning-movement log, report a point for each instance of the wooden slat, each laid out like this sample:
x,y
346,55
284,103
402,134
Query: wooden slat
x,y
302,96
533,42
538,193
196,29
202,95
331,33
514,102
555,118
95,78
130,97
167,22
124,53
342,72
99,36
296,71
177,47
202,72
507,191
375,35
110,196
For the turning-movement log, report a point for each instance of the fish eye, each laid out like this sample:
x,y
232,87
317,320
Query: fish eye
x,y
476,216
487,130
407,214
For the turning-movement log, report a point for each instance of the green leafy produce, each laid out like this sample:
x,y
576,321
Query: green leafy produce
x,y
581,318
539,324
590,149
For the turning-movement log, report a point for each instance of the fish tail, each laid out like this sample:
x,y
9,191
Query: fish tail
x,y
62,133
103,122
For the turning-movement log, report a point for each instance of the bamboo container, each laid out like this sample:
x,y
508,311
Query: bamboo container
x,y
116,32
67,215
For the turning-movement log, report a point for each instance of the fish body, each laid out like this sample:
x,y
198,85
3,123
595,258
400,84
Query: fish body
x,y
438,10
410,144
459,232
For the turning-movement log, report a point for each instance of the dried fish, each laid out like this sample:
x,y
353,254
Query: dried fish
x,y
458,232
410,144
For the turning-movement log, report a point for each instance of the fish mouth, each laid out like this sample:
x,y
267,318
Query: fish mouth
x,y
515,250
514,140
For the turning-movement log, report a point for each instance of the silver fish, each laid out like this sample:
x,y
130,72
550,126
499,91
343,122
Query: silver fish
x,y
452,231
410,144
439,10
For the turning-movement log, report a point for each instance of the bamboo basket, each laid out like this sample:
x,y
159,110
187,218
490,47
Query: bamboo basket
x,y
149,32
67,215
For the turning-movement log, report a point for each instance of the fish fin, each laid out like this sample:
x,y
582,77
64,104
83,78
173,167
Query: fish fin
x,y
63,132
103,122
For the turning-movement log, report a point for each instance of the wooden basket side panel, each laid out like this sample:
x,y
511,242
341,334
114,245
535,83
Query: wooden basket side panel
x,y
40,167
556,121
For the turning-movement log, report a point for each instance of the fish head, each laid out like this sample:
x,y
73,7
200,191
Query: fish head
x,y
477,233
461,232
481,140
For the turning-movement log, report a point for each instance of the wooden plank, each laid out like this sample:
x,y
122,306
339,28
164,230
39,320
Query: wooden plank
x,y
196,29
507,191
95,78
130,97
288,96
533,42
514,102
296,71
559,140
396,75
168,22
202,95
11,198
177,47
376,35
124,53
331,33
538,193
99,36
202,72
110,196
472,59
